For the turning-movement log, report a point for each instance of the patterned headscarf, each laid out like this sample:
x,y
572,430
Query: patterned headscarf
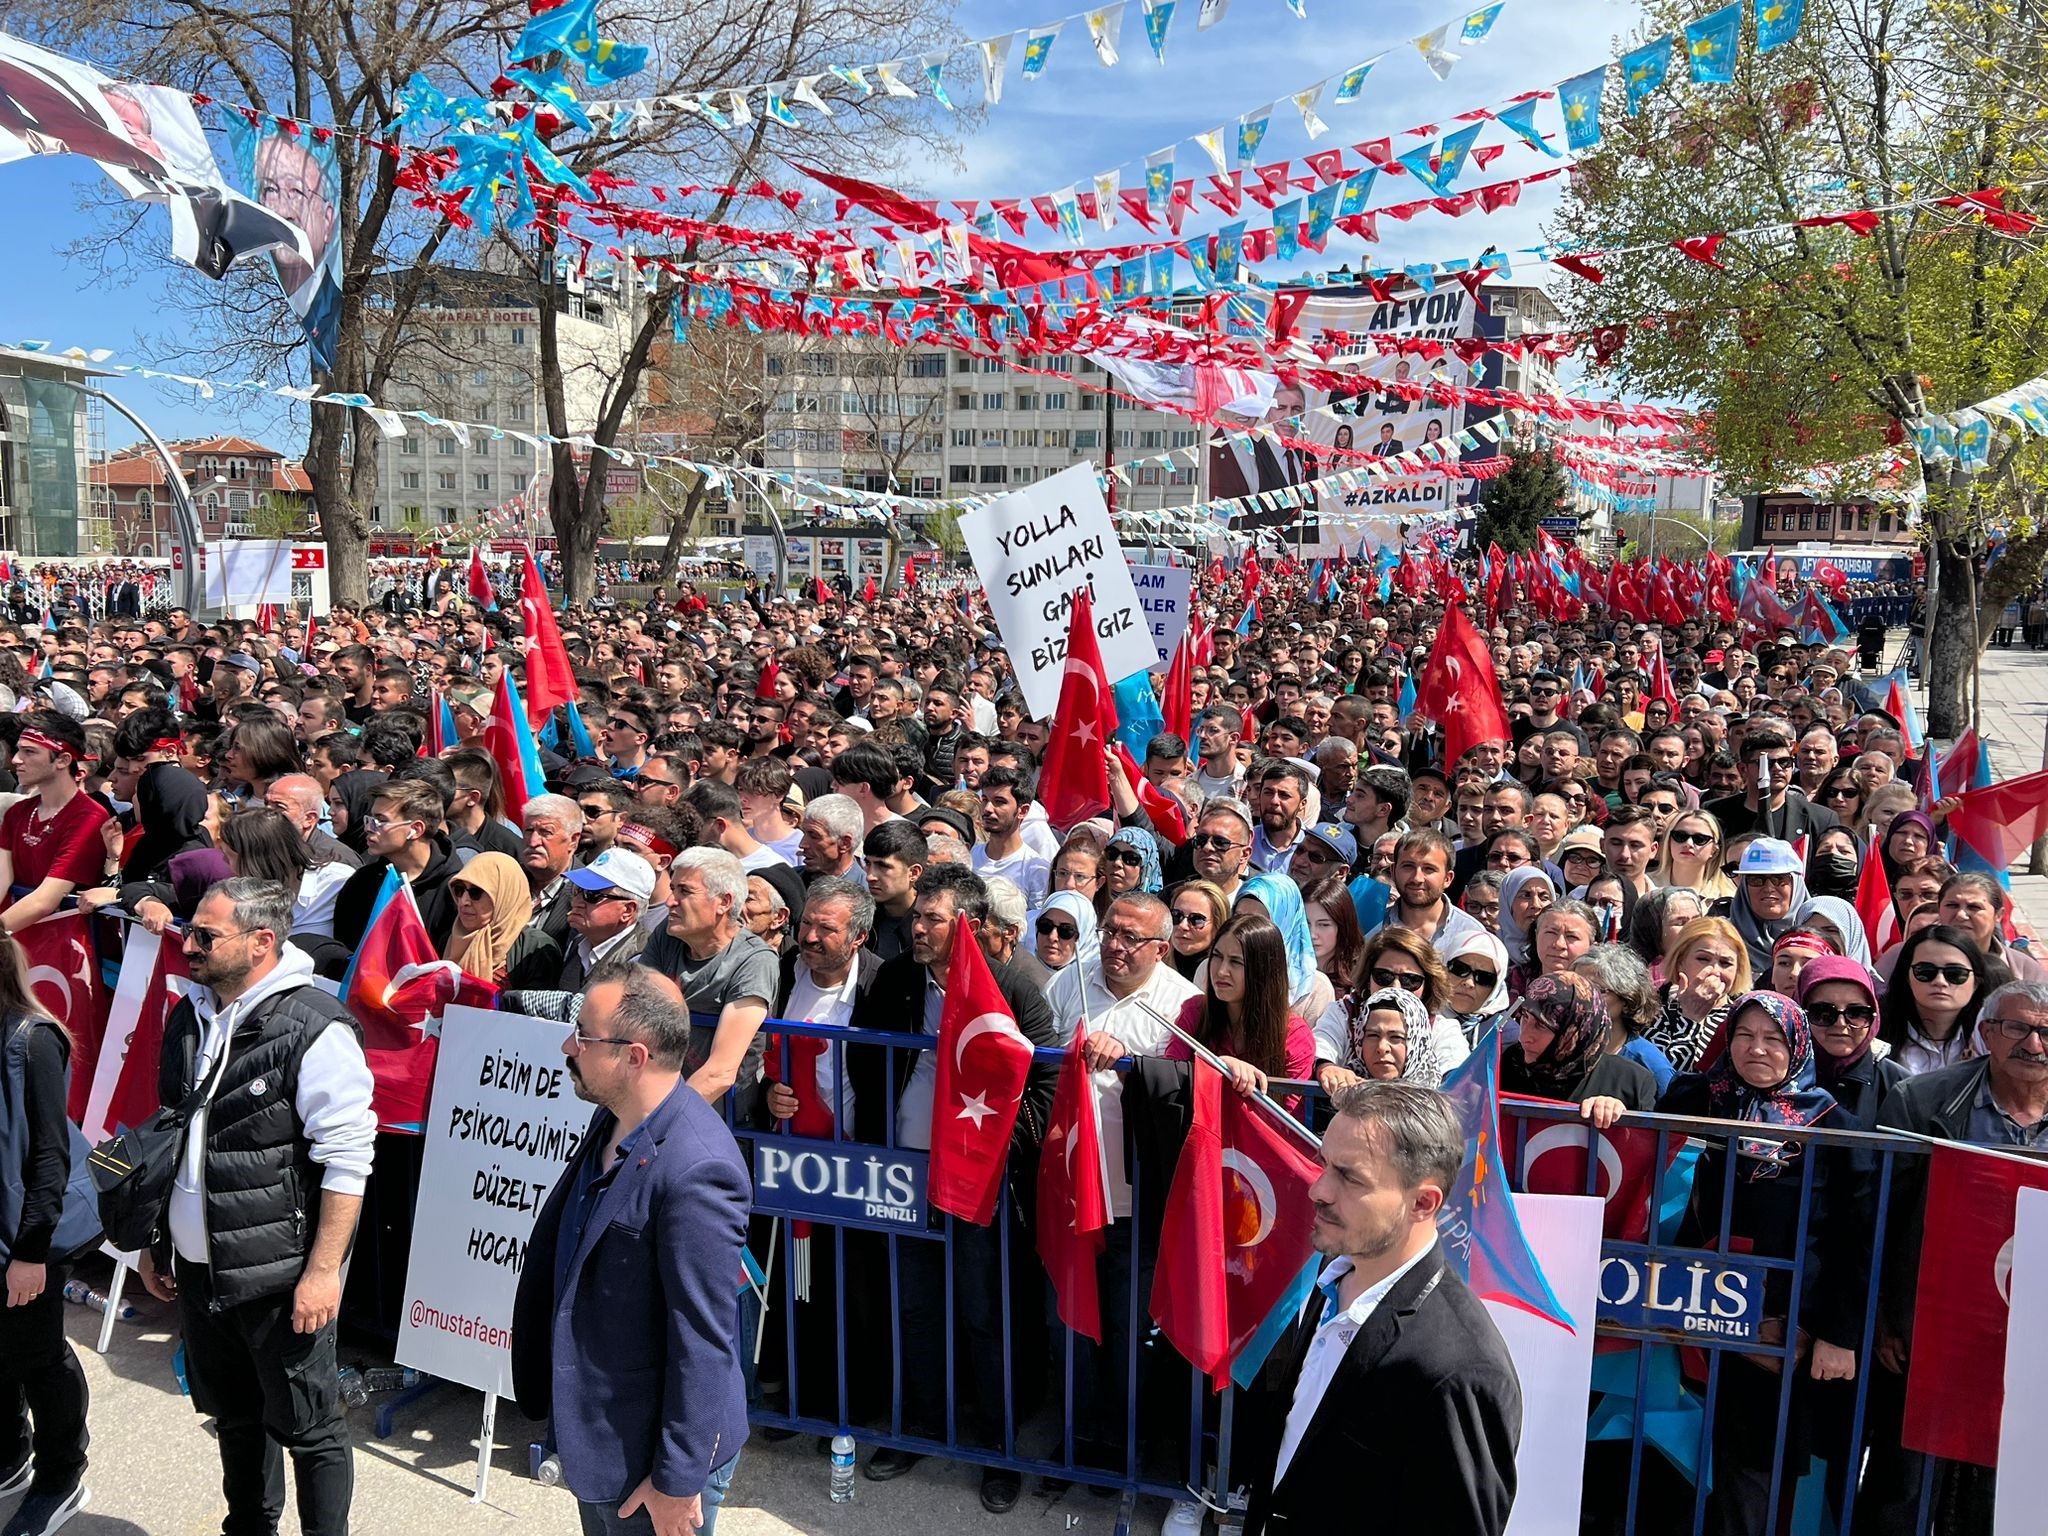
x,y
1573,1008
1423,1068
1797,1100
1281,898
1149,876
1512,933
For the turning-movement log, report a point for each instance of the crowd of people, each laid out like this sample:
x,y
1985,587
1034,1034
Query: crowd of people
x,y
800,807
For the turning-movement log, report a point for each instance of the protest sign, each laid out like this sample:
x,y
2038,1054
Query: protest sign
x,y
503,1123
1036,548
1163,594
1555,1364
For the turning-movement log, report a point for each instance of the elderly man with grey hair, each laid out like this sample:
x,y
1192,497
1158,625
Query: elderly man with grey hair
x,y
553,828
1998,1099
830,837
1336,761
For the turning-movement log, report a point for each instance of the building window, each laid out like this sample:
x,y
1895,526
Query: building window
x,y
1026,401
1770,519
960,474
518,335
483,482
409,480
963,437
444,479
774,367
1153,439
1806,519
519,447
993,402
963,401
929,365
963,365
445,447
517,411
993,474
409,444
1087,437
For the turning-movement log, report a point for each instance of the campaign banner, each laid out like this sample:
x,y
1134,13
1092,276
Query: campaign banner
x,y
504,1123
1034,550
123,1083
1555,1364
298,177
1163,592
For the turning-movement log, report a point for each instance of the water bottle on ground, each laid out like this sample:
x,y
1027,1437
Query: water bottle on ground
x,y
354,1390
549,1473
391,1378
80,1294
842,1469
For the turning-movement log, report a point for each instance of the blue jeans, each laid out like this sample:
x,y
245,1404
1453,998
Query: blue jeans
x,y
602,1518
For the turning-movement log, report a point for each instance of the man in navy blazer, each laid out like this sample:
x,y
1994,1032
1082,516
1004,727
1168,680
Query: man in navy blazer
x,y
626,1329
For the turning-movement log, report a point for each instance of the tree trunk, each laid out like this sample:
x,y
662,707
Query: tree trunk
x,y
1955,642
345,492
680,525
575,533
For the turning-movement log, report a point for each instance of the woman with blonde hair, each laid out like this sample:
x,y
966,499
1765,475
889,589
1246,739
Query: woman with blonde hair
x,y
494,938
1199,909
1691,856
1709,968
1401,959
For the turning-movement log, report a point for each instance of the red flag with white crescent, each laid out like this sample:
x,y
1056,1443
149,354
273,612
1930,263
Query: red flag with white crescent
x,y
1074,783
984,1061
1073,1194
65,977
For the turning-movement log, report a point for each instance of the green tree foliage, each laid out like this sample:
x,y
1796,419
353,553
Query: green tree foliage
x,y
1813,346
1531,488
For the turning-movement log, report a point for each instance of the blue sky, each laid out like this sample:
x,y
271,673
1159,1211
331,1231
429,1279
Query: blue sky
x,y
1077,119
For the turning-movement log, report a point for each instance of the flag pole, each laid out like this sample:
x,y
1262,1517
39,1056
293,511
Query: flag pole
x,y
1216,1061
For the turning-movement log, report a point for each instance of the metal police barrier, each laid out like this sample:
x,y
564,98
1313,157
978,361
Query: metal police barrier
x,y
1703,1381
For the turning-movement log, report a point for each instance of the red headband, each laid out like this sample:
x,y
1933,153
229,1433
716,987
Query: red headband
x,y
1798,940
34,738
168,744
653,842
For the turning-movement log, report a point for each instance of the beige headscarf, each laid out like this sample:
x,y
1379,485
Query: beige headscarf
x,y
483,952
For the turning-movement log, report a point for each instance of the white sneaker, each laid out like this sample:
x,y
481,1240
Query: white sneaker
x,y
1184,1519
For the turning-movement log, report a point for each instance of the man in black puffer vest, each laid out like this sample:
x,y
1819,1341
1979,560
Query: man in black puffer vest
x,y
264,1204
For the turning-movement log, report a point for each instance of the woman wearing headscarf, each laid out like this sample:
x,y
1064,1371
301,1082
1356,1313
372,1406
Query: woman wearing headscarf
x,y
1562,1053
1524,894
1390,1040
1766,1079
349,801
1769,891
1477,966
1123,873
1833,914
174,861
1278,899
1835,864
1064,938
494,937
1906,841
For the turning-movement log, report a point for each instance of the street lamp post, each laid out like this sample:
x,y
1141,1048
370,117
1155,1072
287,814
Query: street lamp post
x,y
186,588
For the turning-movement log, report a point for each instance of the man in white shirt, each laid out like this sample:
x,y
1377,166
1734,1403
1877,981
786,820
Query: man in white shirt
x,y
1004,795
1391,1338
1125,995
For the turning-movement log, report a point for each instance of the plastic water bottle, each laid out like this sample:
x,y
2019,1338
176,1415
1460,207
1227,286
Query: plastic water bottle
x,y
354,1390
842,1469
391,1378
549,1473
80,1294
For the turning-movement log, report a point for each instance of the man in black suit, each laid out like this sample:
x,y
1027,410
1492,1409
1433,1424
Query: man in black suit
x,y
909,994
1393,1362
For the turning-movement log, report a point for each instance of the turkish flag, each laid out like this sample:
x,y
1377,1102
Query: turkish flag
x,y
396,986
1074,784
1661,686
549,679
819,589
1177,704
1073,1194
1831,576
2000,820
1955,1385
479,579
1238,1228
1458,689
1169,816
765,688
65,978
1554,1163
867,593
121,1084
1875,908
984,1061
1252,574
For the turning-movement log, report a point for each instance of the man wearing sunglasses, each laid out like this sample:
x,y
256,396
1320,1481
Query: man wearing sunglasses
x,y
1769,802
264,1205
607,898
1999,1100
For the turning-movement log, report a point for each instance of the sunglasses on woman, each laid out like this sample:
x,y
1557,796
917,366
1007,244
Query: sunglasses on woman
x,y
1129,856
1066,933
1407,981
1828,1015
1838,792
1954,975
1190,919
1694,839
1465,970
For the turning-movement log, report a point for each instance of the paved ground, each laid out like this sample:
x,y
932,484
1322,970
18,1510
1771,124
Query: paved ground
x,y
156,1473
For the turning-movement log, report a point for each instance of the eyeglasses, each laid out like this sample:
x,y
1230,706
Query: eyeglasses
x,y
1771,880
1506,858
376,823
1582,856
1954,975
1129,856
1732,870
1215,841
1862,1015
1066,933
462,890
595,898
1407,981
1123,938
1190,919
1839,792
616,724
1464,970
203,939
2015,1030
585,1042
1694,839
644,782
593,812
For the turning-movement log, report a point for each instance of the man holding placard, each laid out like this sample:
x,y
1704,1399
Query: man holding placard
x,y
625,1334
